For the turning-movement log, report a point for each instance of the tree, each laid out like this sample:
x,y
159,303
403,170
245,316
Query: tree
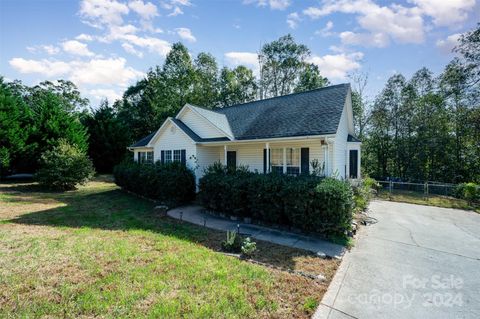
x,y
360,103
51,123
15,126
67,91
310,79
281,62
205,89
236,86
64,166
108,138
469,48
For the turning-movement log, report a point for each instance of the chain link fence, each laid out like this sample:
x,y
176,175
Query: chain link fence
x,y
426,189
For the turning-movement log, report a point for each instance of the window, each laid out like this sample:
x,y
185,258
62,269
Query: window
x,y
291,165
149,157
141,157
276,160
168,156
145,157
293,161
177,156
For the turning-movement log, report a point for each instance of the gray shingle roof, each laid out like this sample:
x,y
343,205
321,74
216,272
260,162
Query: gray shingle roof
x,y
194,136
315,112
144,141
352,138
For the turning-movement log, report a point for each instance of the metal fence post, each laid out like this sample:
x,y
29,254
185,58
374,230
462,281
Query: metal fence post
x,y
390,187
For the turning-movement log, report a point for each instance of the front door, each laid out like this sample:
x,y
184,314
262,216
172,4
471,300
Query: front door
x,y
232,159
353,163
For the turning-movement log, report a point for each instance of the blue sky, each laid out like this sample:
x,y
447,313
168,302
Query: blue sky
x,y
105,45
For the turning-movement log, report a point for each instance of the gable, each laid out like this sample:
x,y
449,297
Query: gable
x,y
199,124
169,133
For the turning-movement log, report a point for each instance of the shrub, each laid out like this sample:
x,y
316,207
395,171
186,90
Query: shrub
x,y
307,202
63,167
363,193
248,247
233,243
171,183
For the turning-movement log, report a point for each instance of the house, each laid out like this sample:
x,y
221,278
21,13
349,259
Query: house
x,y
291,134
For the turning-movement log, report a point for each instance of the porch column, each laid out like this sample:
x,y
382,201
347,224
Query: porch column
x,y
225,155
267,146
325,159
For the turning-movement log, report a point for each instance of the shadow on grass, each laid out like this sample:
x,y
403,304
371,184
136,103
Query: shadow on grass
x,y
116,210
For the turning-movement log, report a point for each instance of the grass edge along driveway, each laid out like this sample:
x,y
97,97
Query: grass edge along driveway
x,y
99,252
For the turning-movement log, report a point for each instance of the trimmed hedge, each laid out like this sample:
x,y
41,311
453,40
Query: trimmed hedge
x,y
310,203
170,183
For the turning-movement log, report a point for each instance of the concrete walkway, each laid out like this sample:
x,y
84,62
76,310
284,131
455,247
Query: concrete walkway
x,y
416,262
195,215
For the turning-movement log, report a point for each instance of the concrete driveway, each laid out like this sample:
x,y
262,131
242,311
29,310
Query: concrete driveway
x,y
416,262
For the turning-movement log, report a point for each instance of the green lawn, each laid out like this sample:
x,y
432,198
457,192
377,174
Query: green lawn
x,y
432,200
99,252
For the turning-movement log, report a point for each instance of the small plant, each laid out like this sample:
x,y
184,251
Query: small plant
x,y
310,305
248,247
233,243
317,168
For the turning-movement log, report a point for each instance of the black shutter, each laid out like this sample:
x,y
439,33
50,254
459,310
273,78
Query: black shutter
x,y
183,157
305,160
353,164
162,156
264,161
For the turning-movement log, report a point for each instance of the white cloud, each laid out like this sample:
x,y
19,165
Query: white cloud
x,y
326,31
155,45
447,45
49,49
337,66
176,6
76,48
98,13
109,94
379,40
242,58
293,19
445,12
186,34
273,4
84,37
177,11
112,71
146,11
130,49
45,67
404,25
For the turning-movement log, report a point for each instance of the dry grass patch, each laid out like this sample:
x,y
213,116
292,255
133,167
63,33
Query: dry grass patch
x,y
98,252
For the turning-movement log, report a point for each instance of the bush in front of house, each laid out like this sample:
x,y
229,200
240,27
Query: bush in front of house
x,y
170,183
306,202
364,192
63,167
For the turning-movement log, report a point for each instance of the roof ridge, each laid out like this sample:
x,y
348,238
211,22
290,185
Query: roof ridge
x,y
280,96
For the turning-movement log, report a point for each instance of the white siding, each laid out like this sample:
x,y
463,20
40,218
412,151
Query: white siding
x,y
172,138
251,155
206,156
200,125
136,150
218,120
340,146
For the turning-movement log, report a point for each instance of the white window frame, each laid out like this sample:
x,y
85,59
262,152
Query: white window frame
x,y
168,156
149,157
298,157
283,159
174,155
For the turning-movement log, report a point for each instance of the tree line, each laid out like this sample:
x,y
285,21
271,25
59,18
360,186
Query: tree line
x,y
422,128
425,128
